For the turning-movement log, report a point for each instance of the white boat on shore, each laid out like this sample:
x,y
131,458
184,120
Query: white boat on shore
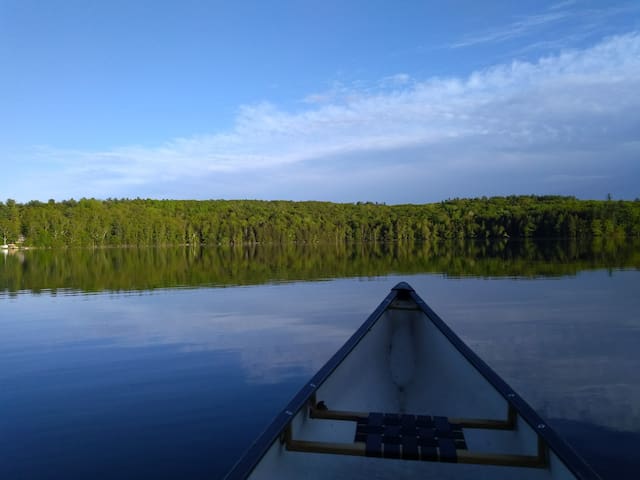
x,y
406,398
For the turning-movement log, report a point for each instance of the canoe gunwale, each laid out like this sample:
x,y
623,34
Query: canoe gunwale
x,y
403,291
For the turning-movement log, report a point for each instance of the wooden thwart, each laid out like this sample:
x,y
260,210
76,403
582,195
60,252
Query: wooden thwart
x,y
463,456
488,424
357,449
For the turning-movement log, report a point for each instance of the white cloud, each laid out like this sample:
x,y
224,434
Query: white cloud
x,y
514,118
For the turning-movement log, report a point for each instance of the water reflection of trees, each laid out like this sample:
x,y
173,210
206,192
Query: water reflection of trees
x,y
121,269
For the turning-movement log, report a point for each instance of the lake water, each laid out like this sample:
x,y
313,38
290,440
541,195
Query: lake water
x,y
167,363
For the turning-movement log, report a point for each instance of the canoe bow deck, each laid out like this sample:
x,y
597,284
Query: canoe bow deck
x,y
404,398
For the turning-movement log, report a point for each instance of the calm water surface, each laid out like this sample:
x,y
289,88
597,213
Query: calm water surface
x,y
171,370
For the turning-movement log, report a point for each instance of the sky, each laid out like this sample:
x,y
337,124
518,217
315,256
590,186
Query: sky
x,y
344,101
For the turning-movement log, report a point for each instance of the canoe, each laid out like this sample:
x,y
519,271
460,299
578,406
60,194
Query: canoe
x,y
405,397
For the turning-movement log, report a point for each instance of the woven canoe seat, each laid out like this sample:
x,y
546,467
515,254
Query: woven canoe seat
x,y
415,437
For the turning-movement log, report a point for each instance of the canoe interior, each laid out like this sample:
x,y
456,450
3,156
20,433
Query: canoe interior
x,y
404,362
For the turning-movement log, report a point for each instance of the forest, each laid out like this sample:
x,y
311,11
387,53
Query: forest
x,y
146,222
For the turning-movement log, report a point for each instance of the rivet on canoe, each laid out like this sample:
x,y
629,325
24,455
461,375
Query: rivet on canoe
x,y
511,395
312,385
541,426
289,412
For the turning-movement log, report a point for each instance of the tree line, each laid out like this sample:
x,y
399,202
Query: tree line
x,y
147,222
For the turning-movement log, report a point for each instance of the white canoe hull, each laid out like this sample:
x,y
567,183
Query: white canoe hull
x,y
406,398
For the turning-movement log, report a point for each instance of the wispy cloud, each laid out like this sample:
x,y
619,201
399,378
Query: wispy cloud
x,y
560,26
399,79
417,141
516,29
562,5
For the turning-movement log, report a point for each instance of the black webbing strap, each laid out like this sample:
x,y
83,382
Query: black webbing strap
x,y
410,437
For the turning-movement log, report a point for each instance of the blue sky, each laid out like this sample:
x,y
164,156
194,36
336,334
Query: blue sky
x,y
319,100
